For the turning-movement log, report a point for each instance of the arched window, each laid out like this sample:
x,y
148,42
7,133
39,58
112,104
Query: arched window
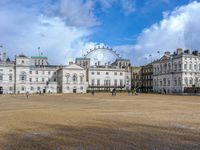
x,y
67,78
179,81
196,80
190,66
74,78
23,76
186,80
169,67
191,80
185,66
195,67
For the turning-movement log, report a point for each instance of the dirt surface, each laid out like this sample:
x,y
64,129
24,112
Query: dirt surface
x,y
100,122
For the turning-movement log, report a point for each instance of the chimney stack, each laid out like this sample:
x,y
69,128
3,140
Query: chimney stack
x,y
187,51
0,56
167,53
179,51
195,53
4,56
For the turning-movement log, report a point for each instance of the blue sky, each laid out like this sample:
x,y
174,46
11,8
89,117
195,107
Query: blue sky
x,y
66,29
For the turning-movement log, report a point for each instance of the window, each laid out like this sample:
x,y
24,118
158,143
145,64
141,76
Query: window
x,y
10,77
22,61
49,72
175,82
42,79
74,78
191,81
36,72
98,73
196,80
107,73
54,80
186,81
10,88
195,67
190,66
67,78
36,79
92,82
179,65
121,73
10,70
23,88
121,83
98,82
179,81
30,72
115,82
42,72
164,81
68,88
185,66
92,73
38,88
115,73
23,76
81,88
81,79
168,82
30,79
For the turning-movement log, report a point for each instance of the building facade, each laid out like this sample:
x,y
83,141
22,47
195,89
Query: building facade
x,y
173,73
36,75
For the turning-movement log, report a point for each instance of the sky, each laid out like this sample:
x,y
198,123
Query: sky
x,y
66,29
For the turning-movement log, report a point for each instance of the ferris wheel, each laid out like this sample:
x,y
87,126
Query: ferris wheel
x,y
102,54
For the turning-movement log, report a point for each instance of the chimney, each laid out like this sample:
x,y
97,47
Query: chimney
x,y
167,53
195,53
0,56
4,56
179,51
187,51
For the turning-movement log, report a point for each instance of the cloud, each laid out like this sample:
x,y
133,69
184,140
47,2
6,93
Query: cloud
x,y
78,13
128,6
179,28
23,30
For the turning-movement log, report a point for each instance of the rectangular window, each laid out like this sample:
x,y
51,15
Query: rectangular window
x,y
98,82
30,72
1,77
36,72
107,73
36,79
98,73
30,79
42,79
115,82
92,73
10,77
121,83
92,82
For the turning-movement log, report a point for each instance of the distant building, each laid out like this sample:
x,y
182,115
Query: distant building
x,y
146,78
136,77
174,73
36,75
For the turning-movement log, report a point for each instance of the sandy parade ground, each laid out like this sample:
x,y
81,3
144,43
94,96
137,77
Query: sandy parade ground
x,y
99,122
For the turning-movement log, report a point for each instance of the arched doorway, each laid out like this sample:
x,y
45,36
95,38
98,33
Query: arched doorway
x,y
74,89
1,90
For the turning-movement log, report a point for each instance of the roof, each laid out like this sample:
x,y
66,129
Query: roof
x,y
82,58
22,55
38,57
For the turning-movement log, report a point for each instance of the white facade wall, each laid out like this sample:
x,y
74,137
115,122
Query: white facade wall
x,y
114,77
176,73
7,77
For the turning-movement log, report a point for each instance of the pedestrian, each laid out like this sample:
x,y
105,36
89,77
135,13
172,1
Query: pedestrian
x,y
27,95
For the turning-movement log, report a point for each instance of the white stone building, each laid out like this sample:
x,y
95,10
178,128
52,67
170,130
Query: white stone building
x,y
35,75
172,73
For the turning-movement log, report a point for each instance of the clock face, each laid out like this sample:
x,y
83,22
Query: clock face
x,y
102,56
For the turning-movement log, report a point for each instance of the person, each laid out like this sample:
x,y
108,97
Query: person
x,y
27,95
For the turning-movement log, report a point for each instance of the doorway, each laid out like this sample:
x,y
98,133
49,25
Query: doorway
x,y
74,90
1,90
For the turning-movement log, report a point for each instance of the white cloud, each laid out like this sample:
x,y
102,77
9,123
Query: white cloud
x,y
78,13
180,28
128,6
